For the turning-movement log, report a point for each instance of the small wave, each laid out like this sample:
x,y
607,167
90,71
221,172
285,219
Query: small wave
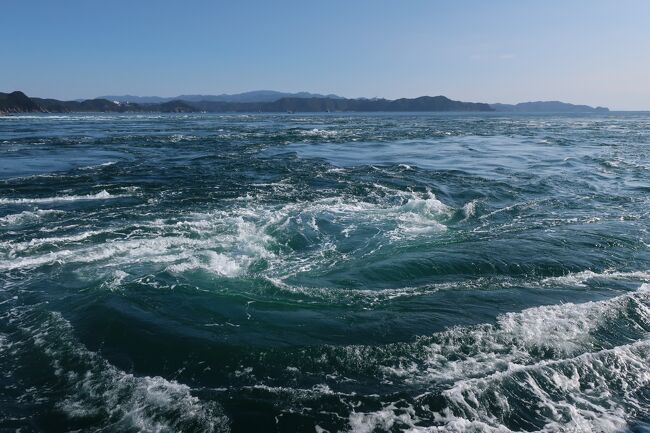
x,y
27,216
96,166
15,247
214,262
115,280
325,133
580,278
102,195
176,138
469,209
368,296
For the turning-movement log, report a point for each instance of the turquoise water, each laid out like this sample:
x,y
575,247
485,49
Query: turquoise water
x,y
253,273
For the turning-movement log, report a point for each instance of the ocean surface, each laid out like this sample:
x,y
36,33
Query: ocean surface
x,y
325,273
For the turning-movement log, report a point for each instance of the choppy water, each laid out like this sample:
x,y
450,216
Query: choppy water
x,y
325,273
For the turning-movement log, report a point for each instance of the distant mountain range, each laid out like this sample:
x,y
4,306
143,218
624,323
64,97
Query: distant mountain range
x,y
423,103
19,102
254,96
546,107
269,102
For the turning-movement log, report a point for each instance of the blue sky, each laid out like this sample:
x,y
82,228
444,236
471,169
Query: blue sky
x,y
583,51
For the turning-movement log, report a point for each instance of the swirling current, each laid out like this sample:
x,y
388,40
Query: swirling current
x,y
325,273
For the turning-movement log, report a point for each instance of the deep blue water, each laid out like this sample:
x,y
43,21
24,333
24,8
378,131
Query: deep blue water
x,y
340,272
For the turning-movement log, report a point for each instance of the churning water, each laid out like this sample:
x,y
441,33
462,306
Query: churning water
x,y
325,273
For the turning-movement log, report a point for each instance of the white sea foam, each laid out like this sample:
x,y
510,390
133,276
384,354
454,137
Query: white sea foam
x,y
586,393
115,280
16,247
27,216
48,117
544,356
560,361
228,242
469,209
239,243
175,138
156,250
382,420
319,133
102,195
214,262
366,296
556,330
580,278
93,167
112,398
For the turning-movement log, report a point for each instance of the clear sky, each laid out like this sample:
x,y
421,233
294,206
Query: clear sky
x,y
595,52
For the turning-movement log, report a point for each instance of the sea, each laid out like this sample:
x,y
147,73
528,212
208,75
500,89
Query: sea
x,y
334,272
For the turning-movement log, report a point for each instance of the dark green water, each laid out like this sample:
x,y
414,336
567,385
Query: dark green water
x,y
259,273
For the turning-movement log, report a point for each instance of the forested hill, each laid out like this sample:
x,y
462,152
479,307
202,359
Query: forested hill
x,y
17,102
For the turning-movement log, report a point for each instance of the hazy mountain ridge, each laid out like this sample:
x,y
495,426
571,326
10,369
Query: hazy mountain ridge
x,y
546,107
423,103
252,96
297,104
18,102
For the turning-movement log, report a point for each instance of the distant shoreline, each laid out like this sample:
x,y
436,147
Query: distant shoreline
x,y
332,113
18,102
